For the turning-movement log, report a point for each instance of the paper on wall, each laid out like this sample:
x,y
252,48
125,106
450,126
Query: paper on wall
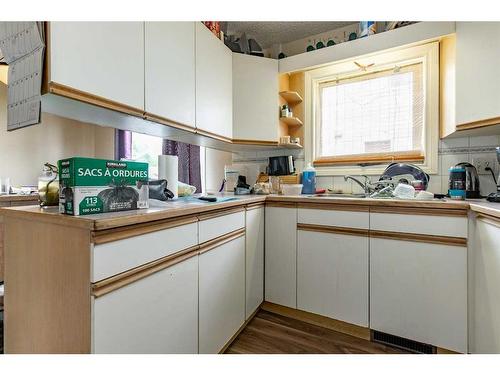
x,y
22,45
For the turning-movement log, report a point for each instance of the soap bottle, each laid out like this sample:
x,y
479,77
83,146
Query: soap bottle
x,y
309,180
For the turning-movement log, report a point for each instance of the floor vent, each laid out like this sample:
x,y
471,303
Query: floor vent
x,y
402,343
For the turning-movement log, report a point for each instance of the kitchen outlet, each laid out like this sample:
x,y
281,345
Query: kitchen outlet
x,y
481,163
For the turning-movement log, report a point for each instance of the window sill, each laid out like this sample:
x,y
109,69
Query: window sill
x,y
369,159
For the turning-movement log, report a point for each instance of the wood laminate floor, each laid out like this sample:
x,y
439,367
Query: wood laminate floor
x,y
269,333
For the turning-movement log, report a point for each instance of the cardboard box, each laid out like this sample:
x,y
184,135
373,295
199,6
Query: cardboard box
x,y
92,186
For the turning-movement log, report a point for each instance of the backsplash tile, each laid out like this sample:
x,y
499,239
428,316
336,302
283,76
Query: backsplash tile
x,y
451,152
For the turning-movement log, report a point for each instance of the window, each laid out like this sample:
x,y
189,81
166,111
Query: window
x,y
376,109
146,148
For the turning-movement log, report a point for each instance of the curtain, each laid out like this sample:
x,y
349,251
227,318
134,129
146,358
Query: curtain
x,y
189,161
123,142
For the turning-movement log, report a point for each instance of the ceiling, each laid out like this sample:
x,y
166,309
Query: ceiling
x,y
269,33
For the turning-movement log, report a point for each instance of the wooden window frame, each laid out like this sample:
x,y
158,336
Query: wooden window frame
x,y
428,54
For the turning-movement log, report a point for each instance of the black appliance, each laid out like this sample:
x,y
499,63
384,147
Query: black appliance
x,y
281,166
471,181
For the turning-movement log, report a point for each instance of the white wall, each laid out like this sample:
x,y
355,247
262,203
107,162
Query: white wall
x,y
213,169
23,152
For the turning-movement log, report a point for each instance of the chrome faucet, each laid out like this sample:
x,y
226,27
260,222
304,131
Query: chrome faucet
x,y
366,186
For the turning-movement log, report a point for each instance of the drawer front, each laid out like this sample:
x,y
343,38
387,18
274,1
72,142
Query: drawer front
x,y
335,218
114,257
452,226
218,226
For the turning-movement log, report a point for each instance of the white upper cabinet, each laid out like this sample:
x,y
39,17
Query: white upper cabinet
x,y
105,59
170,71
477,78
214,86
255,98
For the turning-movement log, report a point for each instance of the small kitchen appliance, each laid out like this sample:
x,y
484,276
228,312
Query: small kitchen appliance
x,y
281,166
456,183
471,181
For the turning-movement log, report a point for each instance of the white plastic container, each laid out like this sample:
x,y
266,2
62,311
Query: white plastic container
x,y
291,189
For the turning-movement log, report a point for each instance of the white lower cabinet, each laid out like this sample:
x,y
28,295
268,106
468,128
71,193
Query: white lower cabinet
x,y
281,256
419,291
222,294
254,260
485,287
156,314
332,275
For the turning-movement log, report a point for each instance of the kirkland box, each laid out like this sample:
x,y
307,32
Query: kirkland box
x,y
91,186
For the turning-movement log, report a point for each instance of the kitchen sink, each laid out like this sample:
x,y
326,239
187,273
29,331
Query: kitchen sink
x,y
339,195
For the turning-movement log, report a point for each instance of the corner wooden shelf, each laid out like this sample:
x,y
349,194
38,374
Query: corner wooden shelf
x,y
292,97
294,121
293,146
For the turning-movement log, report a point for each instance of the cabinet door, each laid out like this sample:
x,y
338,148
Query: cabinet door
x,y
222,294
169,71
419,291
477,78
157,314
255,98
332,276
281,256
485,275
214,87
100,58
254,253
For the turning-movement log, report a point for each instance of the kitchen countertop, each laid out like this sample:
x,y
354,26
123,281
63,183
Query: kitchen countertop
x,y
182,207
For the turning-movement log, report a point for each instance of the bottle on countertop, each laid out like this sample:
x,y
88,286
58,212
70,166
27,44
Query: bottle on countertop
x,y
48,186
309,180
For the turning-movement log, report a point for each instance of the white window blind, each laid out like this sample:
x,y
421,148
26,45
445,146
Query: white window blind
x,y
372,113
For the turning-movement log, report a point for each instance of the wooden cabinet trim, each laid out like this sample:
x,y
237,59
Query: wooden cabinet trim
x,y
425,238
492,220
174,124
85,97
112,283
333,207
216,242
255,206
255,142
218,213
462,211
333,229
214,136
479,124
110,235
281,204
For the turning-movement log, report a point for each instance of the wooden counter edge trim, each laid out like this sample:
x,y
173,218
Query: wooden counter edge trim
x,y
333,206
428,211
333,229
85,97
221,212
243,326
221,240
120,233
281,204
112,283
492,220
425,238
318,320
478,124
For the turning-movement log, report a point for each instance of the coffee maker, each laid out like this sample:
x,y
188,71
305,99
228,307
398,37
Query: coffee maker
x,y
495,197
